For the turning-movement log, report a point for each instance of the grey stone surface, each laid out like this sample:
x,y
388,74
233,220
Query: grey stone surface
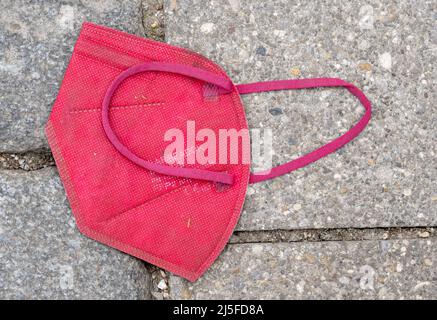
x,y
36,41
43,255
387,176
325,270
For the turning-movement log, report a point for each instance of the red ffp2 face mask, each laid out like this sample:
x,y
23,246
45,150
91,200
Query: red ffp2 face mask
x,y
119,96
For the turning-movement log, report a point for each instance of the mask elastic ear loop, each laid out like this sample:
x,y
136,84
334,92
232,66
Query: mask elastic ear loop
x,y
196,73
327,148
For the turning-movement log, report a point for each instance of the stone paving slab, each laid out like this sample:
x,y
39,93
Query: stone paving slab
x,y
321,270
36,41
386,177
43,255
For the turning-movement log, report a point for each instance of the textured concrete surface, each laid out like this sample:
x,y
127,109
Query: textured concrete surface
x,y
42,254
387,176
36,41
328,270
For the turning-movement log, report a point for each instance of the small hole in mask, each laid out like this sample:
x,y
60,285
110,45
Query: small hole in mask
x,y
210,92
221,187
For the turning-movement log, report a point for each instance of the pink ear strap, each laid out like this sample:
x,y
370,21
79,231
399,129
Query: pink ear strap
x,y
226,85
327,148
185,70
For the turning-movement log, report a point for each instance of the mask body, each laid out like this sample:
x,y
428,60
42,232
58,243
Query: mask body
x,y
107,134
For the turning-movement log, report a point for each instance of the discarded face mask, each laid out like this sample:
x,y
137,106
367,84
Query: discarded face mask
x,y
119,96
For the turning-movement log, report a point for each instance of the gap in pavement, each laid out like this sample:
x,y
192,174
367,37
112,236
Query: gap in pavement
x,y
336,234
28,161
